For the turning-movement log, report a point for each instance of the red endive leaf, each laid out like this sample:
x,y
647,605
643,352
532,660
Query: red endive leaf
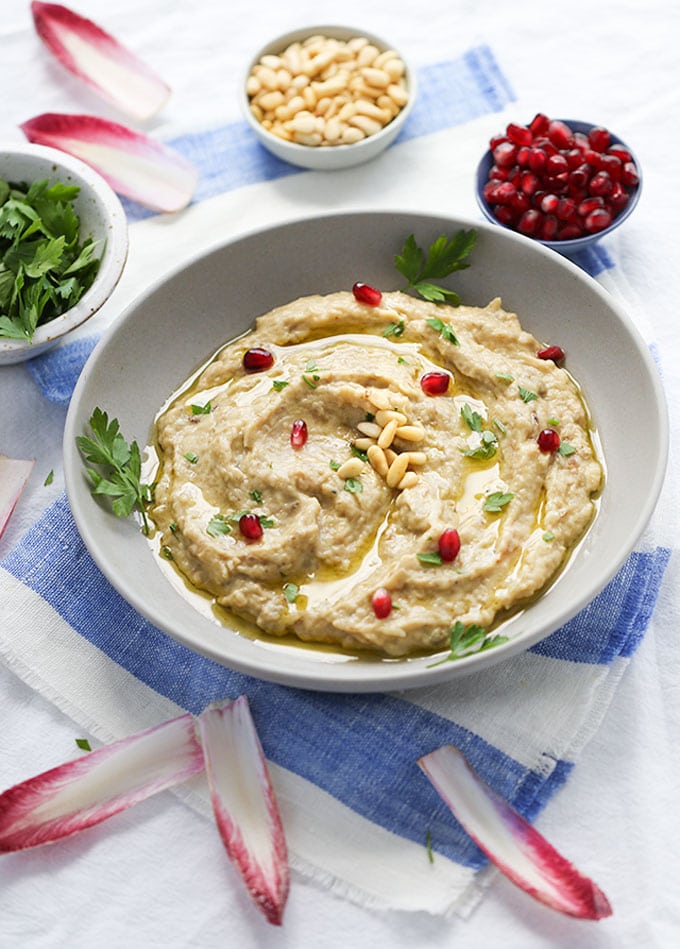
x,y
104,782
133,164
517,849
13,476
245,808
100,60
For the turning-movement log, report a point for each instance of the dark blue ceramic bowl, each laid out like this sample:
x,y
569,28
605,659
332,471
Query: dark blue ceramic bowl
x,y
566,247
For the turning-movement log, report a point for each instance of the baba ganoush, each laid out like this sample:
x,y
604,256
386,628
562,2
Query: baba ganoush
x,y
308,473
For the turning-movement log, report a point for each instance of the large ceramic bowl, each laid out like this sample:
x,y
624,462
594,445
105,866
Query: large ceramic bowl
x,y
174,327
101,217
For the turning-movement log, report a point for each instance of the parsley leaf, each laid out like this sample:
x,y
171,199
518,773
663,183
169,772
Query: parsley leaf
x,y
444,256
472,419
443,329
44,267
201,409
121,464
218,526
255,496
279,384
290,591
334,465
83,744
465,640
497,501
526,395
49,479
486,448
395,329
191,457
353,485
566,449
431,557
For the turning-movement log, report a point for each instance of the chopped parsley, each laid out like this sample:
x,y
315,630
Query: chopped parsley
x,y
191,457
279,384
291,591
310,382
255,496
566,449
402,361
218,526
395,329
201,409
369,417
505,377
45,267
358,453
497,501
167,553
486,449
428,846
353,485
83,744
465,640
443,329
548,536
49,479
334,465
472,419
526,395
444,256
173,527
433,558
499,425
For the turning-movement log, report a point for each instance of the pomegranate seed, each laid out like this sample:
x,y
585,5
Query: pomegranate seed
x,y
598,139
504,154
548,181
589,205
529,221
257,360
629,175
449,545
548,440
537,160
549,203
600,184
519,134
365,294
621,152
556,165
556,353
597,220
435,383
560,134
548,228
528,182
298,434
250,527
569,232
505,214
381,603
497,140
539,124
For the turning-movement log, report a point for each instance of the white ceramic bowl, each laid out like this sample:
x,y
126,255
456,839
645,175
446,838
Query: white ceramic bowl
x,y
556,301
101,217
327,158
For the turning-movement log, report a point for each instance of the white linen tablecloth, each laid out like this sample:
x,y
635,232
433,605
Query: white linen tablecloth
x,y
157,875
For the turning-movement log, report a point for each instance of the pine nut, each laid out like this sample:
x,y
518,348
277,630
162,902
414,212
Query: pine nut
x,y
363,444
388,415
367,54
378,461
398,94
386,437
351,136
396,471
253,85
367,126
270,100
351,468
375,77
390,455
382,58
410,433
268,78
370,429
380,398
304,123
347,111
410,480
271,62
394,68
416,458
333,129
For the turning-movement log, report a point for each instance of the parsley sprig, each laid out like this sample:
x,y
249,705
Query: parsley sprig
x,y
444,256
466,640
118,472
45,267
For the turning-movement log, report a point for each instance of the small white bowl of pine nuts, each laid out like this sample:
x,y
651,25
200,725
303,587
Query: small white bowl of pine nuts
x,y
327,97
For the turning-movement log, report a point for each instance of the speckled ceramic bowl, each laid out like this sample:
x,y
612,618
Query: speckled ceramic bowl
x,y
101,217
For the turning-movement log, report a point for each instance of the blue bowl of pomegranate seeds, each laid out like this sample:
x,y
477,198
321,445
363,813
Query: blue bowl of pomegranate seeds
x,y
564,183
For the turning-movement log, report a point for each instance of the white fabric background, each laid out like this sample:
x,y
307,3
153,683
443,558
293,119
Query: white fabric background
x,y
158,876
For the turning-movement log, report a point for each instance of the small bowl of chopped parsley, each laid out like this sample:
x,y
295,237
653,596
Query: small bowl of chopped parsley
x,y
63,246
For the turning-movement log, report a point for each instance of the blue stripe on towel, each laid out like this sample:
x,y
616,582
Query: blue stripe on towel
x,y
56,372
345,744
